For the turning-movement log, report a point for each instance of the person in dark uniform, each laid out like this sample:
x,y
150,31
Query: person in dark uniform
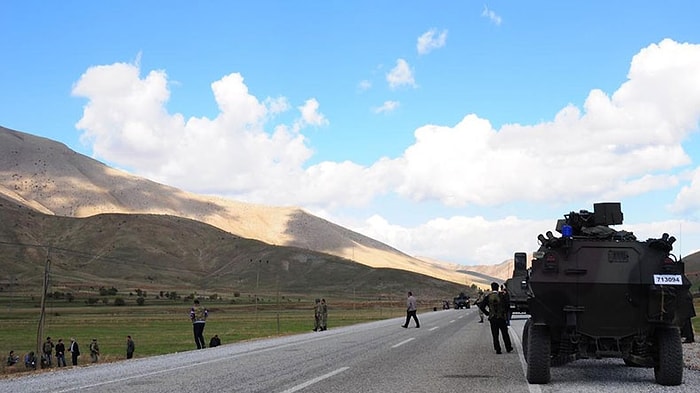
x,y
130,347
495,306
61,353
317,315
324,315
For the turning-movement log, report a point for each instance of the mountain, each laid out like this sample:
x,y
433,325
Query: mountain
x,y
168,253
52,179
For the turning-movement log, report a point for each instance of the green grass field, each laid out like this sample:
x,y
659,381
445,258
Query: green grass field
x,y
166,328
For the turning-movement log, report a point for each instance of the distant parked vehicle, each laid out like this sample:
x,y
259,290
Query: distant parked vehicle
x,y
461,301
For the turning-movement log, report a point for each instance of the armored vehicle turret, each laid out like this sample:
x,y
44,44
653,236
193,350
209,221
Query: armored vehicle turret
x,y
597,292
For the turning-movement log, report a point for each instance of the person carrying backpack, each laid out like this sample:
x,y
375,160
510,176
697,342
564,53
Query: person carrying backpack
x,y
47,350
495,306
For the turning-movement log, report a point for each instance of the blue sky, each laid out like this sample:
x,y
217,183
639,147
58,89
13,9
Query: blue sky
x,y
456,130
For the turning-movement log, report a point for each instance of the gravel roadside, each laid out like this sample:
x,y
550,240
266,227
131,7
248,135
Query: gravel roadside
x,y
691,355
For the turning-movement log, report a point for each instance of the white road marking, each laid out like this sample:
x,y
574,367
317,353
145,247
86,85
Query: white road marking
x,y
433,328
452,321
317,379
403,342
170,370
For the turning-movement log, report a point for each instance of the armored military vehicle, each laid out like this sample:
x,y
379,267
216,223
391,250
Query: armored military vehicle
x,y
517,284
461,301
597,292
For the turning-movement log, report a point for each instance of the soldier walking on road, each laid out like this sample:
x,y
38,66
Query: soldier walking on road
x,y
495,306
411,308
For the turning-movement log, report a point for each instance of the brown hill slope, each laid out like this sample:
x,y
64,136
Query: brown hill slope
x,y
51,178
159,252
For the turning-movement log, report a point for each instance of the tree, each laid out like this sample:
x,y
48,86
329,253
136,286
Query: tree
x,y
140,301
119,302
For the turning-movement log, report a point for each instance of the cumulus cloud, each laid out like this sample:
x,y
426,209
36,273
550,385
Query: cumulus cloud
x,y
688,199
310,115
126,122
387,106
492,16
401,75
476,239
615,145
431,40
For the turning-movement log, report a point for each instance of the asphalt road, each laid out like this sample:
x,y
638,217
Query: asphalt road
x,y
451,352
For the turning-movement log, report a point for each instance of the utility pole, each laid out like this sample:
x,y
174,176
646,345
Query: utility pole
x,y
45,288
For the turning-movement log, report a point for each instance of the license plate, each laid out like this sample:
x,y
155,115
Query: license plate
x,y
668,279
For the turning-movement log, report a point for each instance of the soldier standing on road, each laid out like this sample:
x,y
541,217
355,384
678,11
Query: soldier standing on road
x,y
324,314
479,299
506,296
198,316
317,315
411,308
495,306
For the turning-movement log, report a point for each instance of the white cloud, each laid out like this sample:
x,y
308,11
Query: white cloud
x,y
126,122
428,41
479,241
401,75
310,114
474,238
614,146
364,85
387,106
492,16
688,199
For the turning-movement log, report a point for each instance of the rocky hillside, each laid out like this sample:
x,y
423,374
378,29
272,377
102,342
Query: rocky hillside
x,y
48,177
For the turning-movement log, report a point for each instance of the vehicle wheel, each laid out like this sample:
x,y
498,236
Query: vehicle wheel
x,y
669,368
526,332
538,354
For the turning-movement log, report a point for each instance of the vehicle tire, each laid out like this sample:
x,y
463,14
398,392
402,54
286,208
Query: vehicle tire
x,y
526,332
668,370
538,354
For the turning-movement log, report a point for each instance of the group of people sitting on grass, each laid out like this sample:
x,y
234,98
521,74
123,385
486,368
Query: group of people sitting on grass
x,y
29,360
